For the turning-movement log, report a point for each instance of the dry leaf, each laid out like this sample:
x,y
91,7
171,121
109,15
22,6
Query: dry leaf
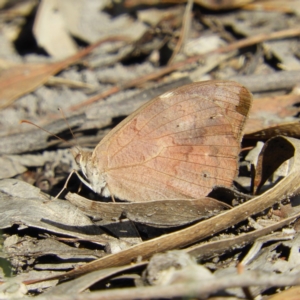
x,y
289,129
55,39
21,203
271,111
273,154
164,213
81,284
22,79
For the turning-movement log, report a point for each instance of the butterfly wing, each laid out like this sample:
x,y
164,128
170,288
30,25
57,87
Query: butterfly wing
x,y
177,146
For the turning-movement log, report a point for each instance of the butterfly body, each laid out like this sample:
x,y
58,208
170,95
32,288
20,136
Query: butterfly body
x,y
177,146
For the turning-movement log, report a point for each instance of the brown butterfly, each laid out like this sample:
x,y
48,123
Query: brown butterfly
x,y
177,146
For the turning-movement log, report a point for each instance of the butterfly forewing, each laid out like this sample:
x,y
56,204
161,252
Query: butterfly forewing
x,y
179,145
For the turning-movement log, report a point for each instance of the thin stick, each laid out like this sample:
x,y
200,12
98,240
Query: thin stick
x,y
176,66
186,27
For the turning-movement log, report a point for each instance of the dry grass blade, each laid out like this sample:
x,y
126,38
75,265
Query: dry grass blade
x,y
212,248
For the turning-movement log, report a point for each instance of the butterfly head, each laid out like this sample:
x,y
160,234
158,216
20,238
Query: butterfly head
x,y
82,159
94,180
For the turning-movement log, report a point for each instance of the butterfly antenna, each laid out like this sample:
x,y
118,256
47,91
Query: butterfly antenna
x,y
64,116
50,133
68,124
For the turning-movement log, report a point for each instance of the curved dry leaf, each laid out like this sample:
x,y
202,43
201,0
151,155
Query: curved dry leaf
x,y
273,154
22,79
287,187
162,213
291,129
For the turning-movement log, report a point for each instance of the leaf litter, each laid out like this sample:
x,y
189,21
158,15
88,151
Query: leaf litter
x,y
47,237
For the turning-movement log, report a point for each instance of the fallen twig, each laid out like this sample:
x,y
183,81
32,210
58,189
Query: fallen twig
x,y
176,66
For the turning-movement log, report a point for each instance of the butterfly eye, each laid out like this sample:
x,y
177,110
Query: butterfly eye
x,y
78,158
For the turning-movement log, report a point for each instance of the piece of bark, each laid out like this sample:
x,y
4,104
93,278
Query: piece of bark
x,y
284,80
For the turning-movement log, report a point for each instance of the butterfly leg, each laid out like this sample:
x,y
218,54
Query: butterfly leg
x,y
111,195
68,179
